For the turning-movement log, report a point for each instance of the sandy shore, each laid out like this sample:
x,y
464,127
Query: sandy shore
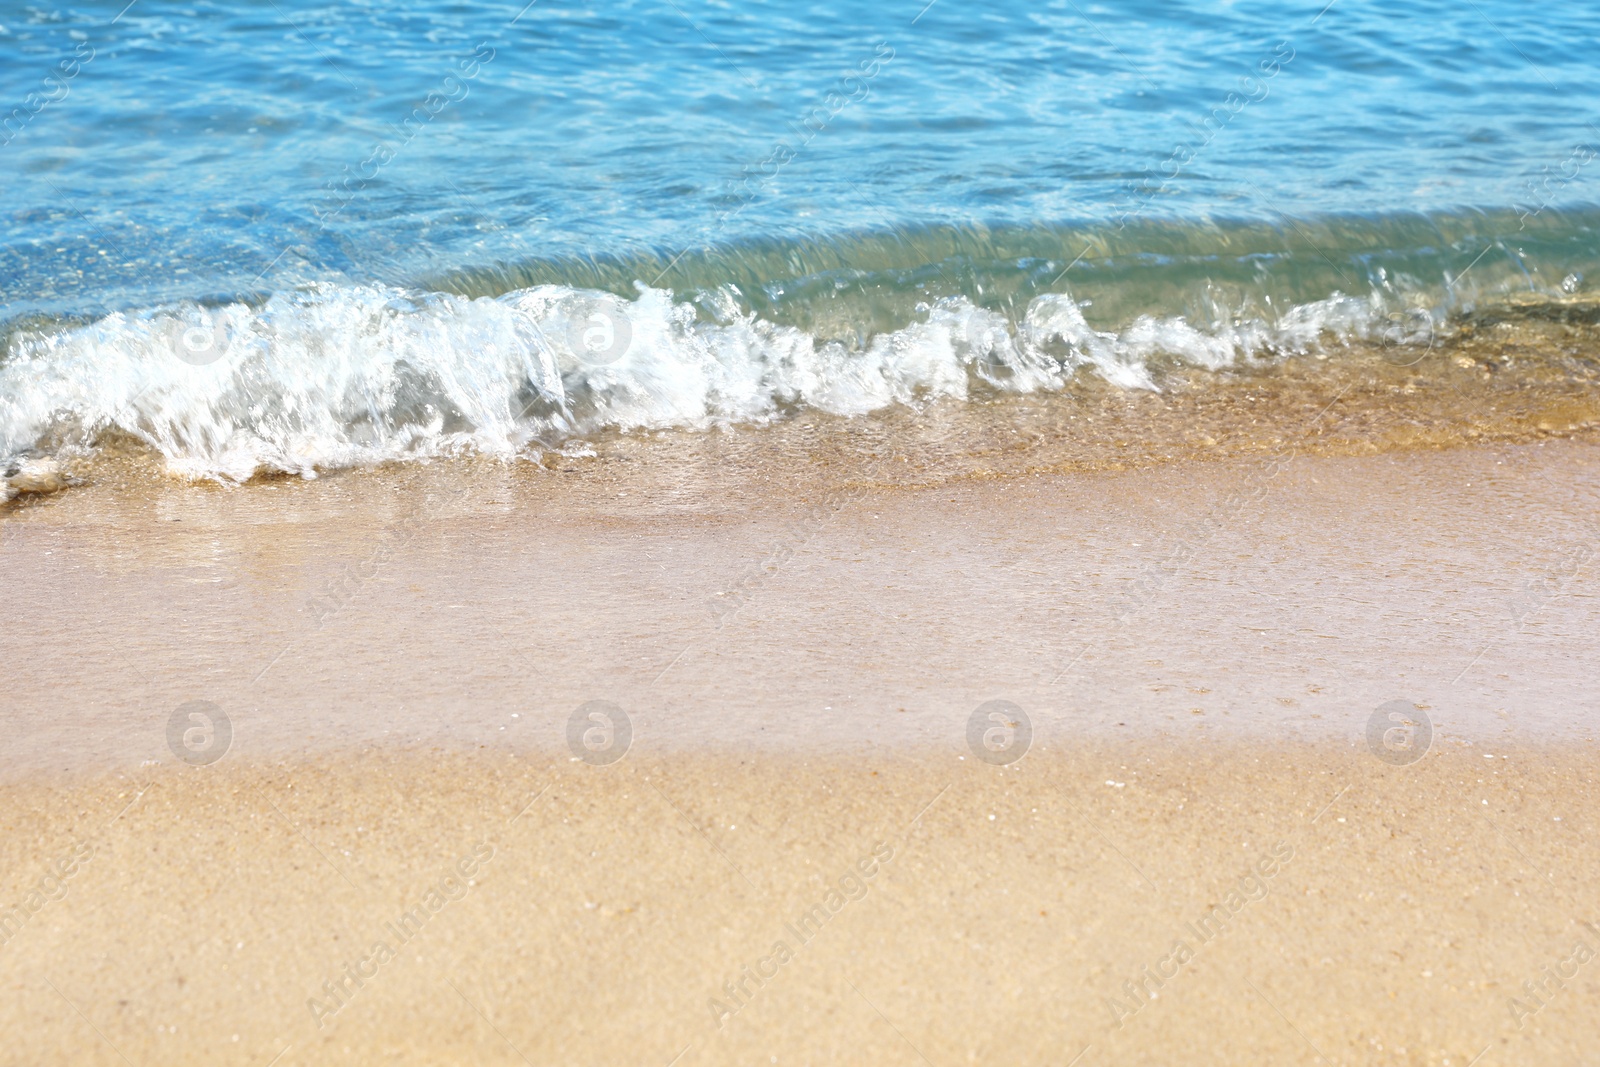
x,y
1274,596
1156,902
387,666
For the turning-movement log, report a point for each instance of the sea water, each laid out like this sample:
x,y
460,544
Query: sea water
x,y
297,236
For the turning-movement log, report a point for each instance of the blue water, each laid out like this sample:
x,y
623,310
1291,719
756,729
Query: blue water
x,y
200,147
841,169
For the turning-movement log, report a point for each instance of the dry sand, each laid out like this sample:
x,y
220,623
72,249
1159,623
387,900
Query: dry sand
x,y
1198,646
1003,914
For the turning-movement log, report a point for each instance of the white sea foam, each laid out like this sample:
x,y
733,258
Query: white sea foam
x,y
334,377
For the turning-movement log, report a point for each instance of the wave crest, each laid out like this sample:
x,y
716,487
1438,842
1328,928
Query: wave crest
x,y
338,376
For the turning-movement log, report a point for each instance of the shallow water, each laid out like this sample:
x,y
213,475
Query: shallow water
x,y
312,235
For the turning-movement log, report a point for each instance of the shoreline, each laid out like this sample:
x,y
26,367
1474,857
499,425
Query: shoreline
x,y
472,605
1504,375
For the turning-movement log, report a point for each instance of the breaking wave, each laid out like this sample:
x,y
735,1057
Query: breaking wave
x,y
509,359
338,376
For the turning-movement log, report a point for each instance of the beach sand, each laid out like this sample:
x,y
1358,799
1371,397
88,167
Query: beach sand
x,y
970,913
1199,643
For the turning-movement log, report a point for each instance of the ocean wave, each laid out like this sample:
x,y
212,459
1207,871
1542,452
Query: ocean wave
x,y
331,377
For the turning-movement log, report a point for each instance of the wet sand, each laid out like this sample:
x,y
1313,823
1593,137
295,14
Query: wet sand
x,y
1273,596
1199,648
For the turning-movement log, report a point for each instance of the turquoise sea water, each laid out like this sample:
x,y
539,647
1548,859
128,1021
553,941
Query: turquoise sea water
x,y
296,235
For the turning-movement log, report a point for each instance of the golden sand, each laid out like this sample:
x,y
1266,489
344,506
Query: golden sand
x,y
1150,902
